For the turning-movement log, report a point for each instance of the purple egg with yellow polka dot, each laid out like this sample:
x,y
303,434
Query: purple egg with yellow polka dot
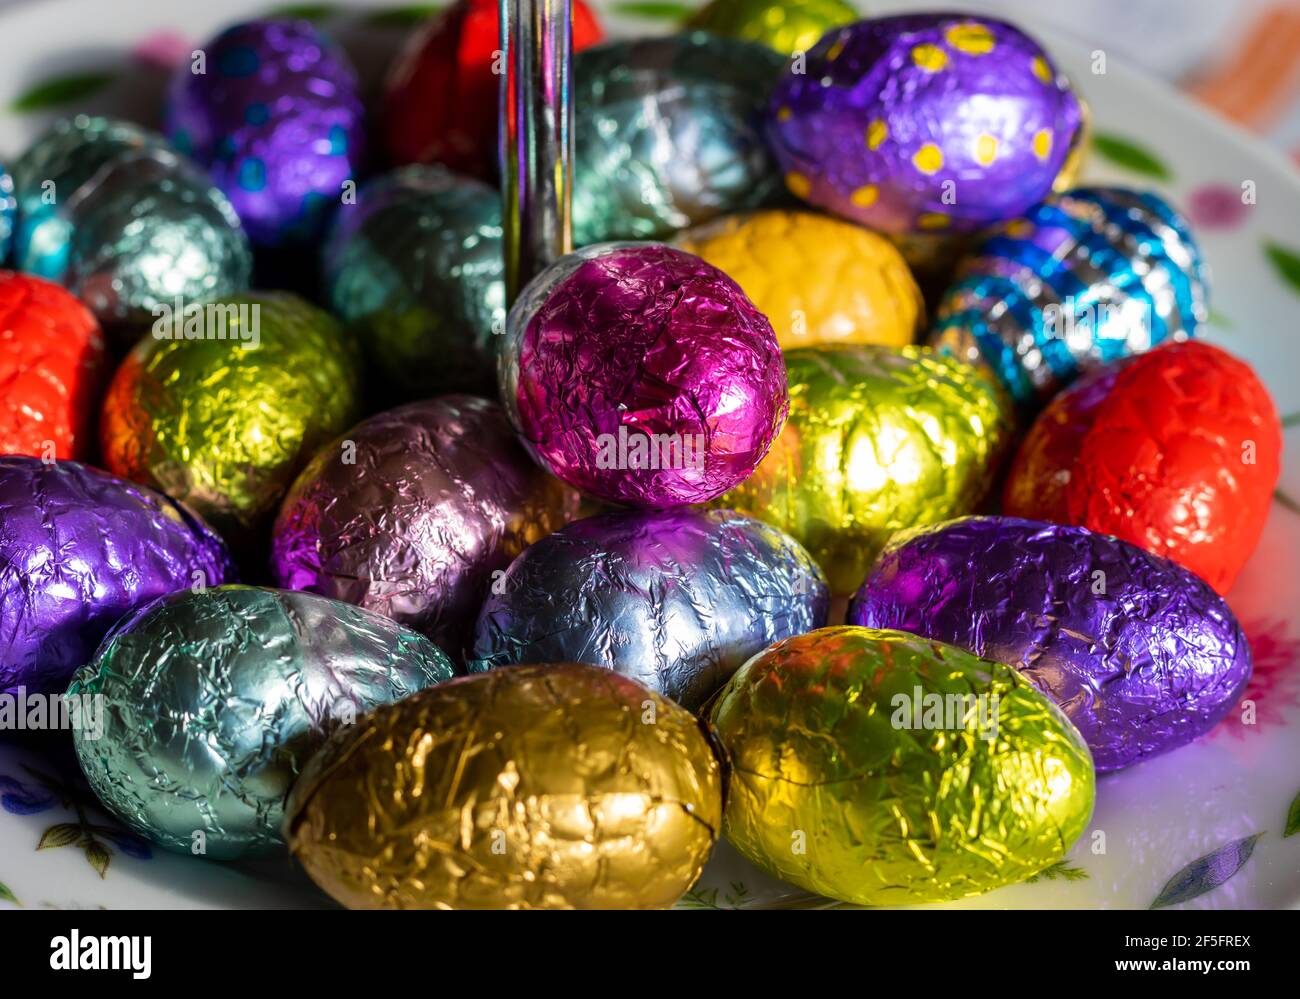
x,y
272,109
924,124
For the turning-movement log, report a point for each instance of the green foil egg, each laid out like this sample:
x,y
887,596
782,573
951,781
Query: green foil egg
x,y
221,406
787,26
878,768
416,268
667,135
113,213
210,704
878,439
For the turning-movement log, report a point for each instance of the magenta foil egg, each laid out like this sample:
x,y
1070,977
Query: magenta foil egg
x,y
642,375
411,512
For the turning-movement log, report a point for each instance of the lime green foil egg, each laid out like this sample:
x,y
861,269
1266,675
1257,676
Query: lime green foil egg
x,y
878,768
788,26
878,439
221,404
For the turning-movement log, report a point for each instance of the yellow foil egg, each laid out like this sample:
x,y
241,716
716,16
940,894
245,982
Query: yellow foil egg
x,y
222,403
877,440
817,279
528,787
879,768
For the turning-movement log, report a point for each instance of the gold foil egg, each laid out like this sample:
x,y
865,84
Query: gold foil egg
x,y
878,768
877,440
528,787
816,278
222,403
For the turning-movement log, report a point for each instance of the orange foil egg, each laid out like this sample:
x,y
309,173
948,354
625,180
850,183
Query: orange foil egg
x,y
1177,451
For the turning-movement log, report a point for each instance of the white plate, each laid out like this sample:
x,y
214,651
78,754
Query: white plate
x,y
1222,802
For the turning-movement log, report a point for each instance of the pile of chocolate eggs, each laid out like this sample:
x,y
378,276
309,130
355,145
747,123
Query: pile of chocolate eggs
x,y
471,603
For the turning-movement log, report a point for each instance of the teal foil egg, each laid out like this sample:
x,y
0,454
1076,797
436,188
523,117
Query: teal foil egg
x,y
123,221
416,268
202,708
667,134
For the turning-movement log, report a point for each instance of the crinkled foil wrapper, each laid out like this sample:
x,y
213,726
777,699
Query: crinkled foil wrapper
x,y
785,26
214,701
842,784
534,787
816,278
642,375
441,95
1150,450
277,117
224,425
52,369
414,513
676,600
668,134
1087,277
416,268
7,211
878,440
1139,652
80,549
132,226
924,124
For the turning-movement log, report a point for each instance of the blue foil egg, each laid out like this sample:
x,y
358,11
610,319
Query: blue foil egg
x,y
1086,277
275,113
111,212
416,268
209,704
668,134
7,207
676,600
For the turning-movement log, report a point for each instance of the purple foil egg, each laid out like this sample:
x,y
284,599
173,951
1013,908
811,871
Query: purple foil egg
x,y
1140,653
642,375
276,117
924,123
411,512
79,549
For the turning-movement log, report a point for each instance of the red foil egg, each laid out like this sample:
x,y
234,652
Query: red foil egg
x,y
1177,451
441,97
52,366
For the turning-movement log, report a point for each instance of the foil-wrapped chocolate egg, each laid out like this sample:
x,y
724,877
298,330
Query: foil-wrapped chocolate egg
x,y
211,703
275,113
642,375
413,513
52,367
878,439
1086,277
416,268
111,212
879,768
786,26
816,278
668,134
924,123
440,99
1140,653
7,207
1177,451
79,549
676,600
223,405
533,787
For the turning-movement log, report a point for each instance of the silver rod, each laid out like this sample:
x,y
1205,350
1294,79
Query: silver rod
x,y
536,136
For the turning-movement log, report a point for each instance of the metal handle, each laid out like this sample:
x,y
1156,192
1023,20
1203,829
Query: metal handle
x,y
536,136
